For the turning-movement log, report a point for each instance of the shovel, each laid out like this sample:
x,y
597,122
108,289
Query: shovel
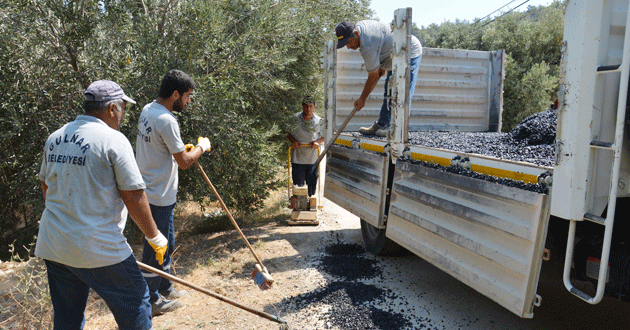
x,y
283,323
323,153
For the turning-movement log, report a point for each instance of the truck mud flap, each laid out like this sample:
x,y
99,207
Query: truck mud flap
x,y
487,235
355,181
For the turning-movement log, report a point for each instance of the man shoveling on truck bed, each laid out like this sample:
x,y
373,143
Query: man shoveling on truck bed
x,y
375,41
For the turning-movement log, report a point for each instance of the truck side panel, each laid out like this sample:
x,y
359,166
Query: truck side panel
x,y
356,180
457,90
487,235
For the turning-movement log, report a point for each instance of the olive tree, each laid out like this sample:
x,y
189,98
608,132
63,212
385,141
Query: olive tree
x,y
252,61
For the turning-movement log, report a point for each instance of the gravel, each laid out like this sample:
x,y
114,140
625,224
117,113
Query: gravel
x,y
531,141
535,187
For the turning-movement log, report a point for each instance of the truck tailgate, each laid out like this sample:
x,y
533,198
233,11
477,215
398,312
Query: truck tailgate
x,y
356,181
487,235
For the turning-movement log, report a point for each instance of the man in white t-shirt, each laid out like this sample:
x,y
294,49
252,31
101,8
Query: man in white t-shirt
x,y
90,181
305,130
159,153
374,40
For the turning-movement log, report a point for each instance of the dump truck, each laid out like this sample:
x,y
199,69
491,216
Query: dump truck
x,y
483,232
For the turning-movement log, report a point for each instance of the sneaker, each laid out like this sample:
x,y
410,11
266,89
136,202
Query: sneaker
x,y
163,305
382,132
174,294
369,130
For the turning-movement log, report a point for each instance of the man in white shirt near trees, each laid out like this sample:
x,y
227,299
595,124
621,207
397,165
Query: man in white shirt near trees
x,y
305,130
159,153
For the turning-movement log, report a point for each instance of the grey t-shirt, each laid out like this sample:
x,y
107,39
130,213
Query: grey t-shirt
x,y
305,132
158,139
85,164
376,45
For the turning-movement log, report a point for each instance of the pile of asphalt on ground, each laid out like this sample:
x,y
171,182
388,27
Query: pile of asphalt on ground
x,y
348,300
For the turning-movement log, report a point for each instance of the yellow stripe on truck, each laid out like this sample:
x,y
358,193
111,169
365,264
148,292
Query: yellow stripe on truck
x,y
372,147
344,142
516,176
431,159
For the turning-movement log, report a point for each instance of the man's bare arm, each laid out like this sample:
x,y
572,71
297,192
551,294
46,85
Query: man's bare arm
x,y
139,210
44,188
186,158
370,83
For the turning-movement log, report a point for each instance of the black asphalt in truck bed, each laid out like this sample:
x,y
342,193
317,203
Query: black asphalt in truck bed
x,y
531,141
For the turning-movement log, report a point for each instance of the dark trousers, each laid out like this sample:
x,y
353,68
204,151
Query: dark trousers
x,y
120,285
305,172
163,217
385,115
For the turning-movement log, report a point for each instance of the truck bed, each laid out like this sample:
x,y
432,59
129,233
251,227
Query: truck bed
x,y
531,141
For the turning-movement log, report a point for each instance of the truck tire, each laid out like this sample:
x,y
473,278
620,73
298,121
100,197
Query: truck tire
x,y
376,242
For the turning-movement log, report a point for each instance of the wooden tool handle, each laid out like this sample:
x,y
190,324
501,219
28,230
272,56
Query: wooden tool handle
x,y
323,153
210,293
203,173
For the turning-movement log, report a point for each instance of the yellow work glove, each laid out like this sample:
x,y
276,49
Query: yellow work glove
x,y
159,244
189,147
204,143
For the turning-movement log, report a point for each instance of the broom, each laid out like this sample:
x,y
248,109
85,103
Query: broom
x,y
259,274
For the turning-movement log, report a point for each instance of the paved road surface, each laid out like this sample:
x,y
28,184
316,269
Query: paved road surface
x,y
432,299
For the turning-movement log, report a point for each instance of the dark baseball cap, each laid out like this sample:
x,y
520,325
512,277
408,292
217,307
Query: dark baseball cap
x,y
106,90
344,31
308,100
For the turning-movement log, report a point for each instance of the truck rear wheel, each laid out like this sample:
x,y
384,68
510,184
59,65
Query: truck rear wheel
x,y
376,242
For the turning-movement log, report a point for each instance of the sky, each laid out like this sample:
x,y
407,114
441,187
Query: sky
x,y
426,12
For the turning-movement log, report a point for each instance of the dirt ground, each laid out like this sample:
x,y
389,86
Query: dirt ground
x,y
324,279
221,263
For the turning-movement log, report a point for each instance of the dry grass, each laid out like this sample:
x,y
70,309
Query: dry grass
x,y
192,219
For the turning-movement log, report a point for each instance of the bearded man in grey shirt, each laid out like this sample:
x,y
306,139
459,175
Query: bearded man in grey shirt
x,y
374,40
159,153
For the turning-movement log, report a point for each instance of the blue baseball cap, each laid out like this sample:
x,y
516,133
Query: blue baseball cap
x,y
106,90
343,31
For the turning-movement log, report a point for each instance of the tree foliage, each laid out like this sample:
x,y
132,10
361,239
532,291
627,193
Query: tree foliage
x,y
533,42
252,60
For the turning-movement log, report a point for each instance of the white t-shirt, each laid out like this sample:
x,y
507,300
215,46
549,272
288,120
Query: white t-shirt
x,y
158,139
85,165
376,45
305,132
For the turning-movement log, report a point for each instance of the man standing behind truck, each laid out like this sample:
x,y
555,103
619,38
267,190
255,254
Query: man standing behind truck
x,y
90,181
375,41
159,151
305,130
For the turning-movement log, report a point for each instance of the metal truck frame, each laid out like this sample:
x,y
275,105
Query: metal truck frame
x,y
487,235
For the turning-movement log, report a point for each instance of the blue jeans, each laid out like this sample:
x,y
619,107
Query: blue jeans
x,y
121,286
305,172
385,116
163,217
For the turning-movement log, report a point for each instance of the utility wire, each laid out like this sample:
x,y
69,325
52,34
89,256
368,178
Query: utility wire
x,y
509,11
497,10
